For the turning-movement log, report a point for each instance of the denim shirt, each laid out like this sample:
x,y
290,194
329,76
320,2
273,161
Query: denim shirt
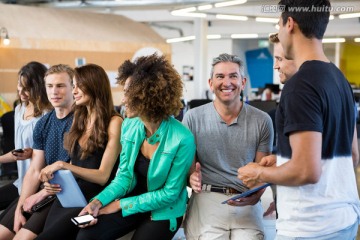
x,y
167,175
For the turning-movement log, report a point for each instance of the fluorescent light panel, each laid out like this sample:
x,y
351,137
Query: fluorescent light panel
x,y
333,40
231,17
204,7
180,39
269,20
190,9
190,38
229,3
357,39
244,35
213,36
349,15
188,14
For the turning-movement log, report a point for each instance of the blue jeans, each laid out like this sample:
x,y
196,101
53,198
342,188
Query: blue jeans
x,y
348,233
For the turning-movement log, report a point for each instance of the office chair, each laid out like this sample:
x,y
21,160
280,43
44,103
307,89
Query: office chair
x,y
198,102
7,123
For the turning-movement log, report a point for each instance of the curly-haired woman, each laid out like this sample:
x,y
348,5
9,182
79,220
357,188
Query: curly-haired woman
x,y
93,144
149,192
33,105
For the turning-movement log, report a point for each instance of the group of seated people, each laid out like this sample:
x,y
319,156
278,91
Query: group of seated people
x,y
134,171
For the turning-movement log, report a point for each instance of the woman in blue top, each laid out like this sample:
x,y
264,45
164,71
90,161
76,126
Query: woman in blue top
x,y
33,105
149,192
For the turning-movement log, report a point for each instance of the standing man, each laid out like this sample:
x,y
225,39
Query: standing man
x,y
317,194
47,149
228,134
285,67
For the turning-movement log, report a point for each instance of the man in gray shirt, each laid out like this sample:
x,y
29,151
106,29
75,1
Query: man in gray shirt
x,y
229,134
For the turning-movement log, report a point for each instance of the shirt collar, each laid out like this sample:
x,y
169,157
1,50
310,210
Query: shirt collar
x,y
236,120
153,139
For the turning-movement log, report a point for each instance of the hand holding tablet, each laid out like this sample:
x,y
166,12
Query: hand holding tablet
x,y
247,193
71,195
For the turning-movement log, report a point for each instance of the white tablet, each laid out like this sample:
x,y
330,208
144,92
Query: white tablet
x,y
247,193
70,195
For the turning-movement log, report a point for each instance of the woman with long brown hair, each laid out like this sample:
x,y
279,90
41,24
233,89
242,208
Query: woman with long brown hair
x,y
93,144
33,105
149,192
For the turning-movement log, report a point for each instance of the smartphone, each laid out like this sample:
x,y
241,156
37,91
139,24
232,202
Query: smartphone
x,y
82,220
17,151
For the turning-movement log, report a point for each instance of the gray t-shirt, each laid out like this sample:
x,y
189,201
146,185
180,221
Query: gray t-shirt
x,y
221,148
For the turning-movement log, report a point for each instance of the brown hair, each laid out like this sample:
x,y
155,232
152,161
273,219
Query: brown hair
x,y
155,89
273,38
33,82
94,82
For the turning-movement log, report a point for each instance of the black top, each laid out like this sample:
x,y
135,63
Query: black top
x,y
317,98
92,161
141,170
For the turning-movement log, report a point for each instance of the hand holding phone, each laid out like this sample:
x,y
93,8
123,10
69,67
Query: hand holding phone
x,y
22,154
82,220
17,151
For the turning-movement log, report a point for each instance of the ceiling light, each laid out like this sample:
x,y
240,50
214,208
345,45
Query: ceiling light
x,y
230,3
190,38
5,34
180,39
188,14
247,35
333,40
349,15
213,36
277,26
269,20
204,7
331,17
357,39
231,17
190,9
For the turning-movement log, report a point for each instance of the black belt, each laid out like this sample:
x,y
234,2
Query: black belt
x,y
219,189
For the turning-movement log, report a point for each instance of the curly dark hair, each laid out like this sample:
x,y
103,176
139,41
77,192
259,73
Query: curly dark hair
x,y
155,88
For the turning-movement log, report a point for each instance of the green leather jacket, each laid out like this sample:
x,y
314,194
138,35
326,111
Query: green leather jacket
x,y
167,175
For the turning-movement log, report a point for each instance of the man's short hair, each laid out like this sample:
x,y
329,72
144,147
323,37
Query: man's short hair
x,y
224,57
312,16
273,38
61,68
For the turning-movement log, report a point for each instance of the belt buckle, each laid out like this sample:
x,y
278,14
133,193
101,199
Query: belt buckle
x,y
206,188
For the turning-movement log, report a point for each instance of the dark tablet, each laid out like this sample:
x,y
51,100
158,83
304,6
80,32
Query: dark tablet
x,y
247,193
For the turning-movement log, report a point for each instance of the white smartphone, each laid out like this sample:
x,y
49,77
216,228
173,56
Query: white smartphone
x,y
82,220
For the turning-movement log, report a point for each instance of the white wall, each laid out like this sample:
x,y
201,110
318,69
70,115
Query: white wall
x,y
183,55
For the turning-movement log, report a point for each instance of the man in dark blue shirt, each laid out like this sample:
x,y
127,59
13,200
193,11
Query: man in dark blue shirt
x,y
47,148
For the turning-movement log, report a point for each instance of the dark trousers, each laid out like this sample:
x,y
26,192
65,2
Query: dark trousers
x,y
8,194
34,222
113,226
58,224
